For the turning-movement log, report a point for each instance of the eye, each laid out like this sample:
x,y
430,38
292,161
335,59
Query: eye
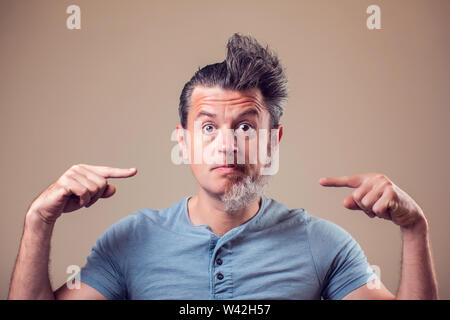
x,y
208,129
245,127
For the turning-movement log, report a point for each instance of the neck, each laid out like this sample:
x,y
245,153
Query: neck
x,y
206,209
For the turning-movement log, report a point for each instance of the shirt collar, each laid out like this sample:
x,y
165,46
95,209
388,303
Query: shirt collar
x,y
256,222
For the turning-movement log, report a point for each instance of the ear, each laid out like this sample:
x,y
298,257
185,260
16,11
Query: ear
x,y
276,133
280,132
183,141
280,135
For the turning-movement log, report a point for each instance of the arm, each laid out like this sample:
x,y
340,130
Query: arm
x,y
377,196
79,186
30,279
418,278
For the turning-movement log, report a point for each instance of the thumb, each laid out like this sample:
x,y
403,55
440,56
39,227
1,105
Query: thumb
x,y
392,206
109,191
349,203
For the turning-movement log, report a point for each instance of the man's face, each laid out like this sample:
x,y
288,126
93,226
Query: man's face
x,y
224,130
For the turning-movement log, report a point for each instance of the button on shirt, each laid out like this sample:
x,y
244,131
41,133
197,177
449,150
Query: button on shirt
x,y
280,253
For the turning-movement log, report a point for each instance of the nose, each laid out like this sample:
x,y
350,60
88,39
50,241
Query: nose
x,y
227,144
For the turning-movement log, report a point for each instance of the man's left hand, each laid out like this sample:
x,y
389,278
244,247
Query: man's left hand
x,y
378,196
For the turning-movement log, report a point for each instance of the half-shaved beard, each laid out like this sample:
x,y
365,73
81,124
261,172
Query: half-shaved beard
x,y
243,191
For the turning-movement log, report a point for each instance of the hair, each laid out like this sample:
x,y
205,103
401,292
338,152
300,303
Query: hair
x,y
243,192
248,65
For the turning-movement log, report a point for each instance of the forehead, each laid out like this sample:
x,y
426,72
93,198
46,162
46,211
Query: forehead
x,y
203,97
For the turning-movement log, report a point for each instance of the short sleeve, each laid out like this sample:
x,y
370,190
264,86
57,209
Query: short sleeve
x,y
103,267
340,262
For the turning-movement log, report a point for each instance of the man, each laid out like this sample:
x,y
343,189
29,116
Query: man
x,y
228,241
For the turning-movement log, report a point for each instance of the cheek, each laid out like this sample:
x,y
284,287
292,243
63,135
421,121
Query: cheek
x,y
247,150
256,150
202,150
198,171
202,175
264,149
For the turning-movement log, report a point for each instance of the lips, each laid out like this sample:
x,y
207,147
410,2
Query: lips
x,y
228,168
225,166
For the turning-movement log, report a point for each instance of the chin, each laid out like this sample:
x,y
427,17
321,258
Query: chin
x,y
220,185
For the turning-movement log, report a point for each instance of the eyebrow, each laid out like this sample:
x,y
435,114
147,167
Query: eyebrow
x,y
205,114
248,112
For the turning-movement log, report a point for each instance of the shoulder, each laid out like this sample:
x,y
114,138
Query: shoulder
x,y
322,230
140,223
333,247
330,243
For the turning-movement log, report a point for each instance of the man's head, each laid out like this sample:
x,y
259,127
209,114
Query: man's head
x,y
227,109
248,65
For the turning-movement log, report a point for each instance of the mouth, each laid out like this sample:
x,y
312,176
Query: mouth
x,y
227,168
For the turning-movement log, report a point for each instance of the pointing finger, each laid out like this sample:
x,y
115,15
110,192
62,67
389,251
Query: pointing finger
x,y
353,181
109,172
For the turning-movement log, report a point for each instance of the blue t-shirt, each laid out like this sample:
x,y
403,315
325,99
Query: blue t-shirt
x,y
278,254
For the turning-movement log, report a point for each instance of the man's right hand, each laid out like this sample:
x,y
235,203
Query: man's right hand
x,y
80,186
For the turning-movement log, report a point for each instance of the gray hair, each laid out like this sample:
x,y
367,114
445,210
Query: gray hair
x,y
248,65
243,192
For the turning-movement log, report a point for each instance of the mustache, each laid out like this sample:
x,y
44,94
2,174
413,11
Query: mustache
x,y
243,167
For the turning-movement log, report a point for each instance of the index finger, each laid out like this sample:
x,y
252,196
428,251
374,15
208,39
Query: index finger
x,y
109,172
353,181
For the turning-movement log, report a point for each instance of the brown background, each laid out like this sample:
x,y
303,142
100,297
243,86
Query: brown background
x,y
107,94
